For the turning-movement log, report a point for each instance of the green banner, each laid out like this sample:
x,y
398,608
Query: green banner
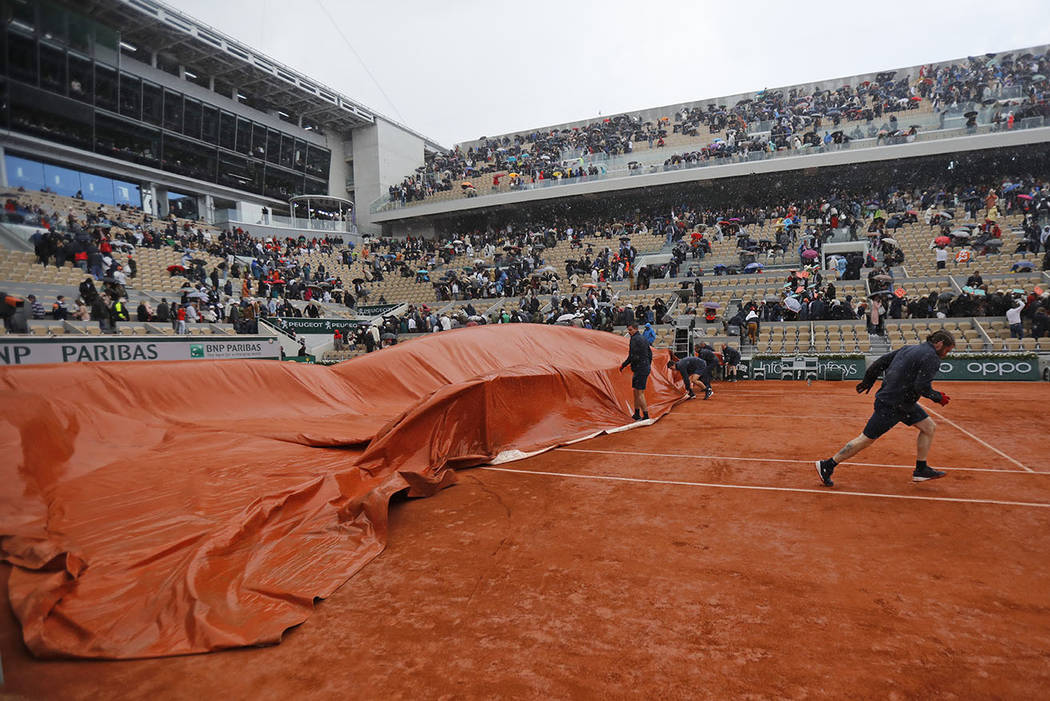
x,y
1023,368
308,326
828,368
374,309
990,367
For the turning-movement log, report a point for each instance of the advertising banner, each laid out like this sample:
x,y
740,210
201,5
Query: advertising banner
x,y
851,368
306,325
990,367
985,367
374,309
59,349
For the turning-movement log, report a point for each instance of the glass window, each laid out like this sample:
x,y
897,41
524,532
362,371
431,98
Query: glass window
x,y
287,150
210,124
130,96
52,68
318,161
282,184
152,104
81,81
184,206
61,181
21,58
96,188
239,172
49,116
188,158
227,130
105,87
127,141
191,125
172,110
244,136
53,21
259,142
316,187
126,193
273,146
22,172
24,13
80,31
299,157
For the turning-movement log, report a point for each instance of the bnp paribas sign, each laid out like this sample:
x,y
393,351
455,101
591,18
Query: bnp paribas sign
x,y
38,351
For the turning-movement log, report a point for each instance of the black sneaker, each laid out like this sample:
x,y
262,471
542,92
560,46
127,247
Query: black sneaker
x,y
708,394
645,416
636,416
690,396
824,469
921,474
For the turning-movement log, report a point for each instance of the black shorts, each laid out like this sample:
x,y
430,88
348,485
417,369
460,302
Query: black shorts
x,y
641,378
886,416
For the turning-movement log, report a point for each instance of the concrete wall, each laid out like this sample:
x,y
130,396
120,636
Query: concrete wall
x,y
384,154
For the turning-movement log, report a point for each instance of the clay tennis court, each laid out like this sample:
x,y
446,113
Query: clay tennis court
x,y
697,557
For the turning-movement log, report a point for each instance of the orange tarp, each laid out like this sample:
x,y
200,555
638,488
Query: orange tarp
x,y
166,508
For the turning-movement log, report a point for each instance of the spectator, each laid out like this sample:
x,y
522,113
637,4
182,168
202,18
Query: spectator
x,y
1013,317
36,308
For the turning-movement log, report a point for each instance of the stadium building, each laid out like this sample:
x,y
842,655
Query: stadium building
x,y
133,102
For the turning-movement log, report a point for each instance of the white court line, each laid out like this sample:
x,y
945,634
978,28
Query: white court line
x,y
799,462
771,489
986,445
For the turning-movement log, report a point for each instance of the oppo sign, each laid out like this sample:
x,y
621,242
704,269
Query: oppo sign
x,y
989,369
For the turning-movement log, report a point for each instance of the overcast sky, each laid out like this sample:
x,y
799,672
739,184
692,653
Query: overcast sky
x,y
455,70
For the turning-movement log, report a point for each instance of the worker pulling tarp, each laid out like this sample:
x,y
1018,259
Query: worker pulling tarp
x,y
153,509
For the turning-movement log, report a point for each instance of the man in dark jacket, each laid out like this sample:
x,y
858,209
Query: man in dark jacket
x,y
731,358
692,368
163,311
640,358
909,373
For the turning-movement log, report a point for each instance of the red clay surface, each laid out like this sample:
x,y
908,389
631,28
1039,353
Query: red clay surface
x,y
696,574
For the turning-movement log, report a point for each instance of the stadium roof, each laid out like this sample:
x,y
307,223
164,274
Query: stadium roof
x,y
163,29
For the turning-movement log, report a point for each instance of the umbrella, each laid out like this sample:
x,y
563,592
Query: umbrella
x,y
979,292
945,215
752,266
890,241
1038,76
196,295
994,243
793,304
942,241
971,113
883,277
945,296
358,281
712,305
1026,264
456,241
479,260
174,268
588,284
388,336
1024,197
565,317
809,254
772,298
961,234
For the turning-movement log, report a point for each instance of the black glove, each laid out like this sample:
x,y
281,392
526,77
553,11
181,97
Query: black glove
x,y
863,387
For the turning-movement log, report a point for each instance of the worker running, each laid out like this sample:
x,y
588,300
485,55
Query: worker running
x,y
909,374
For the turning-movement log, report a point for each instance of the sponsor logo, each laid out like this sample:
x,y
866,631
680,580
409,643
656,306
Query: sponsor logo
x,y
197,350
990,368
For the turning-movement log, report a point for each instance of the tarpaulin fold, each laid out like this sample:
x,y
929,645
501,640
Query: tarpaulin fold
x,y
165,508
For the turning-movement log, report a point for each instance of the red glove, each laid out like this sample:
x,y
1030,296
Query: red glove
x,y
944,399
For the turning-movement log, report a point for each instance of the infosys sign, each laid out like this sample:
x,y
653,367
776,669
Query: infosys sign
x,y
38,351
